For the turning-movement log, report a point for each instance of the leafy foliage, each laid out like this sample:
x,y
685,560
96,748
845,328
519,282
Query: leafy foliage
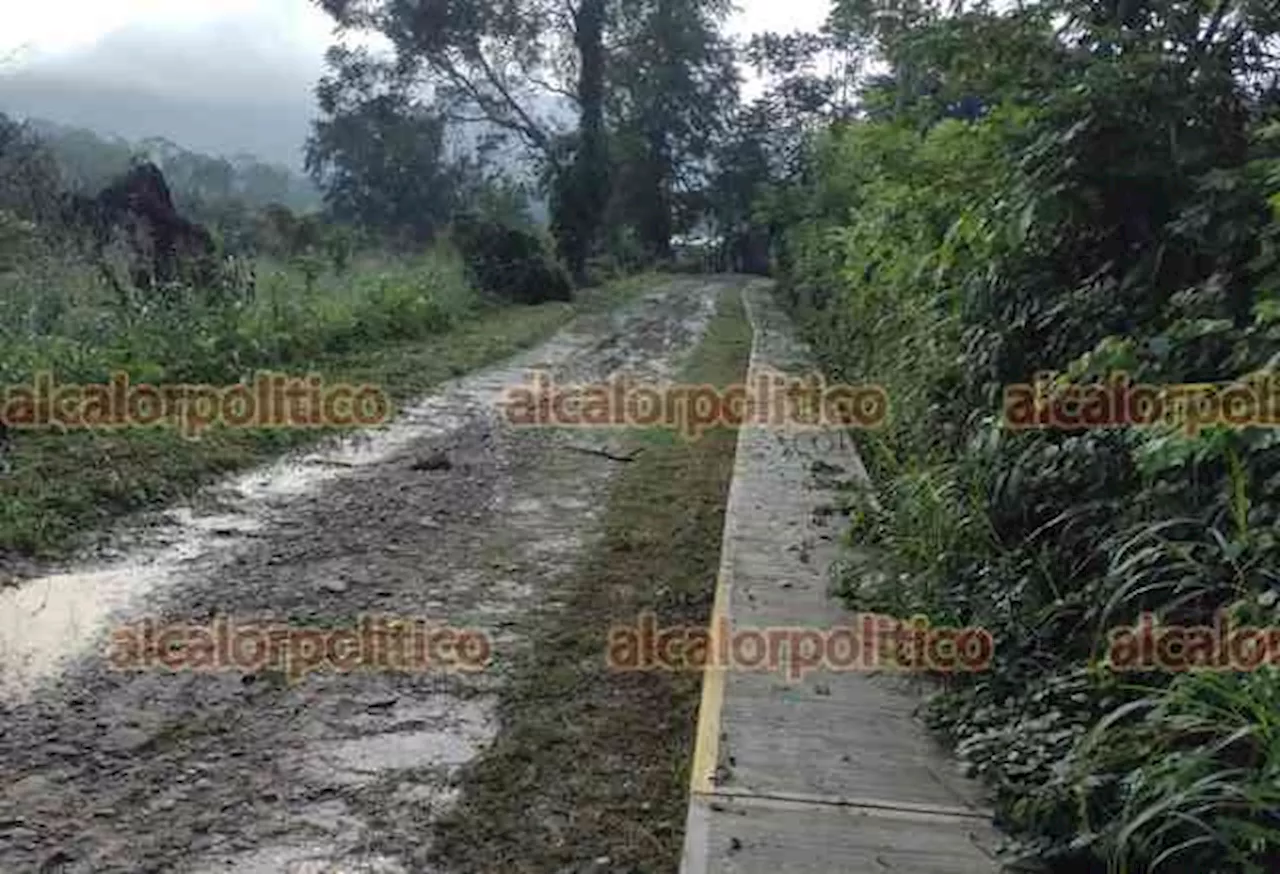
x,y
380,156
509,262
673,88
491,68
1093,191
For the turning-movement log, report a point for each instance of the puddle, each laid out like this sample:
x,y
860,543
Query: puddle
x,y
45,622
352,737
301,859
366,760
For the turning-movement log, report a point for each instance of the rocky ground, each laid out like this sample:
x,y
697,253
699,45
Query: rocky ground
x,y
450,515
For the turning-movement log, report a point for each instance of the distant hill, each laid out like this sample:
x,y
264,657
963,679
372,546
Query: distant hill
x,y
89,161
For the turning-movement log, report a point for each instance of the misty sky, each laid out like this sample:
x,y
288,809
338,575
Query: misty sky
x,y
222,76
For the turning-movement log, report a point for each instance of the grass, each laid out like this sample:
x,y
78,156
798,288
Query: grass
x,y
592,763
404,327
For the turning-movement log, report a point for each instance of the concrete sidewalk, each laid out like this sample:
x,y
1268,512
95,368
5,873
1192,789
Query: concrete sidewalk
x,y
831,773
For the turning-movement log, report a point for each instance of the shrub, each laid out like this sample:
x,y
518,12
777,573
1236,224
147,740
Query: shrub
x,y
509,262
58,313
1112,212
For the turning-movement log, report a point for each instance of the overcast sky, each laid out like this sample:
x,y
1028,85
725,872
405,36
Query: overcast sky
x,y
213,75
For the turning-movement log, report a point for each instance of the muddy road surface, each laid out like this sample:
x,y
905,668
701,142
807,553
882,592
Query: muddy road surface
x,y
450,516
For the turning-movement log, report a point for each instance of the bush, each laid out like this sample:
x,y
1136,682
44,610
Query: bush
x,y
58,313
1117,215
509,262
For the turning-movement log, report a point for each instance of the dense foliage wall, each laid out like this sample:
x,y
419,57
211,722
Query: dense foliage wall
x,y
1087,194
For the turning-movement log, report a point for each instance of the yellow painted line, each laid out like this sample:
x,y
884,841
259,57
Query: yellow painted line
x,y
706,752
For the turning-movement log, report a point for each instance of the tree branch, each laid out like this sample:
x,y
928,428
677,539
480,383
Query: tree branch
x,y
555,89
524,126
534,130
469,119
1203,44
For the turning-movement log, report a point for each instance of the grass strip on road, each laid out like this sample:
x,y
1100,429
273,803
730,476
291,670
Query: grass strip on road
x,y
592,764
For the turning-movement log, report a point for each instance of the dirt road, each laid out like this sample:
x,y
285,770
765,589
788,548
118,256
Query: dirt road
x,y
450,515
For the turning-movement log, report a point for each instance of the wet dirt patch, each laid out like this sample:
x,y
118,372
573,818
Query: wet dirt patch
x,y
111,771
437,733
590,770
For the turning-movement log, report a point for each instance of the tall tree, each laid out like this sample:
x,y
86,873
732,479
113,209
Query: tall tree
x,y
674,88
378,154
582,186
508,66
807,79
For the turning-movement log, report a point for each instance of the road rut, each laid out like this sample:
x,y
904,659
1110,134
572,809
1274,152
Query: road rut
x,y
448,514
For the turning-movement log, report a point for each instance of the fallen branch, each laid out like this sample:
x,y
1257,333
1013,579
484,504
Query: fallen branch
x,y
604,453
331,462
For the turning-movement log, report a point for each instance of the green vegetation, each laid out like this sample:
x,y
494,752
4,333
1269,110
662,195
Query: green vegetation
x,y
611,111
58,314
392,284
511,261
957,199
403,326
1082,189
61,485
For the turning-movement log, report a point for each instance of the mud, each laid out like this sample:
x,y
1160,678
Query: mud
x,y
103,770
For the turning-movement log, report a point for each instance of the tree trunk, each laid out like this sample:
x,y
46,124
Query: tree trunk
x,y
657,229
585,191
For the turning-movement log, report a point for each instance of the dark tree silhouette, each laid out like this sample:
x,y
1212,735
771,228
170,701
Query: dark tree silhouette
x,y
167,247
